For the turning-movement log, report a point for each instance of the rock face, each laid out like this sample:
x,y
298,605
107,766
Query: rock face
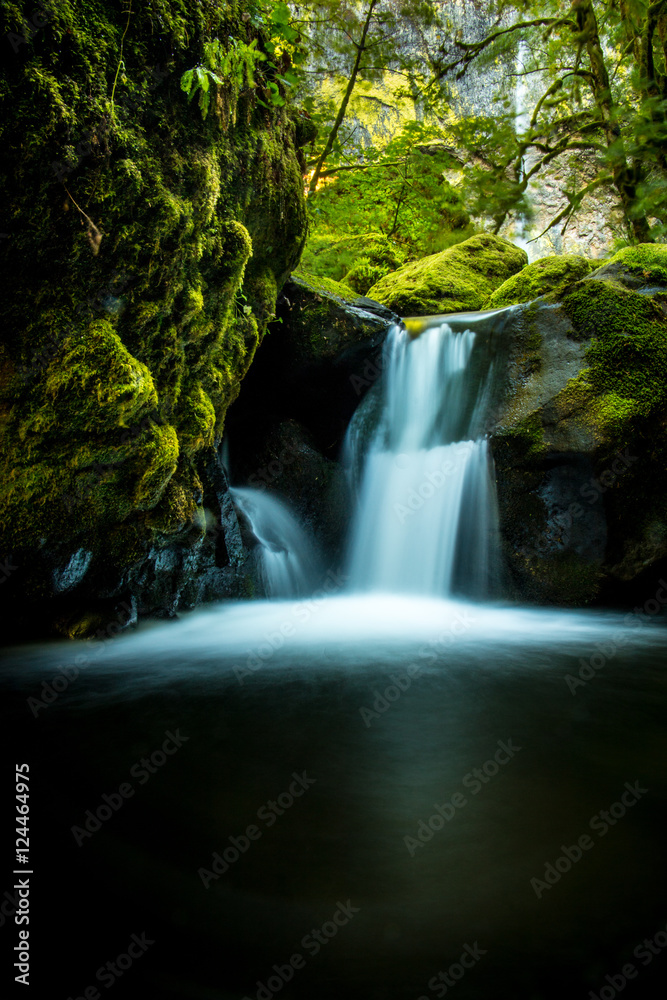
x,y
579,434
309,376
142,251
460,279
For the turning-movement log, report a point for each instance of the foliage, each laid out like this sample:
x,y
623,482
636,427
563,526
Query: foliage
x,y
369,218
235,63
355,43
597,82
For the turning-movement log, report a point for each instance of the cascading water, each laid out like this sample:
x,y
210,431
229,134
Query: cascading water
x,y
426,515
289,563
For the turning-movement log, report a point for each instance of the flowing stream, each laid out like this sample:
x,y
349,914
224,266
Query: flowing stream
x,y
398,788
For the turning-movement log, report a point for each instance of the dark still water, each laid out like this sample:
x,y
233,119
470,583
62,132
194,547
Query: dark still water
x,y
384,798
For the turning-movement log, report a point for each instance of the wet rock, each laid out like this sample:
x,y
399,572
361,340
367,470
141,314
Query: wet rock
x,y
579,435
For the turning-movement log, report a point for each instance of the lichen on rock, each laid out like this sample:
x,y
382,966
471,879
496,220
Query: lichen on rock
x,y
459,279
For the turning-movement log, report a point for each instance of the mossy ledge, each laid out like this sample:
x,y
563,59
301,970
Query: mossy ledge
x,y
143,249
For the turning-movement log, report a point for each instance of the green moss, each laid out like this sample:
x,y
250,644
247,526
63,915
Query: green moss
x,y
550,274
159,459
647,262
327,286
457,280
528,434
626,377
197,418
144,254
94,385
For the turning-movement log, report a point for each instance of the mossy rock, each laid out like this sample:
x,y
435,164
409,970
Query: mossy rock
x,y
580,440
642,266
143,253
626,373
457,280
357,261
550,274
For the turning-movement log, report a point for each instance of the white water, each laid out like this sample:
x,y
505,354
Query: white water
x,y
289,564
426,517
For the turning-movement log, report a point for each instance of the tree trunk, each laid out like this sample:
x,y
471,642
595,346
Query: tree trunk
x,y
625,177
361,48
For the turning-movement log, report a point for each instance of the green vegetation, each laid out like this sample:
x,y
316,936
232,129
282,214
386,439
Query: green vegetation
x,y
144,248
601,99
627,356
393,206
456,280
550,274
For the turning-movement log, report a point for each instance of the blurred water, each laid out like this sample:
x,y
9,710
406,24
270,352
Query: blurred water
x,y
389,705
426,518
289,562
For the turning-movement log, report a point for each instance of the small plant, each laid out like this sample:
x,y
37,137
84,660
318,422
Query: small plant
x,y
237,62
234,66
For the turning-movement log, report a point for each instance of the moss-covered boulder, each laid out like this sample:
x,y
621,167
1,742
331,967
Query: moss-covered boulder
x,y
550,274
580,442
460,279
142,250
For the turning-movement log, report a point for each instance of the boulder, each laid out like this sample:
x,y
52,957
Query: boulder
x,y
550,274
579,435
459,279
356,261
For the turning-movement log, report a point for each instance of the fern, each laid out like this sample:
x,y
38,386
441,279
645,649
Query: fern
x,y
236,66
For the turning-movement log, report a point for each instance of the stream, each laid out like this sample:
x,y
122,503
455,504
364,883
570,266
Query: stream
x,y
391,785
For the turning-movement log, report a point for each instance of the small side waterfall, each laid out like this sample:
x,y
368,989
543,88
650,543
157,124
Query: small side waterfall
x,y
289,564
426,517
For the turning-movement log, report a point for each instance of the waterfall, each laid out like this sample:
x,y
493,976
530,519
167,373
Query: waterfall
x,y
289,564
426,515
